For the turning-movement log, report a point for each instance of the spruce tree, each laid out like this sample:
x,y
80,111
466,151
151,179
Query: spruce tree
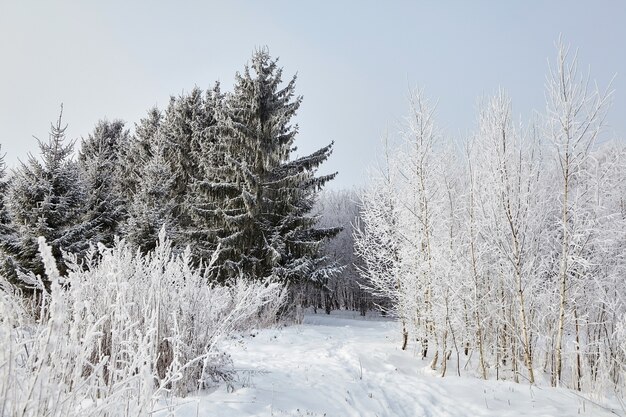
x,y
174,137
143,183
263,196
7,235
135,154
203,202
4,217
45,199
152,205
185,129
99,162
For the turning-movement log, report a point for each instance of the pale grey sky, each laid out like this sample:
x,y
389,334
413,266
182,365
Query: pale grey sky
x,y
354,59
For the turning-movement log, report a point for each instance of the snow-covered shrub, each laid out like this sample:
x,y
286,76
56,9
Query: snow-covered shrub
x,y
120,332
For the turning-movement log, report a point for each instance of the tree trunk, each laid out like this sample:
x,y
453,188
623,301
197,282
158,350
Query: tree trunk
x,y
579,372
556,378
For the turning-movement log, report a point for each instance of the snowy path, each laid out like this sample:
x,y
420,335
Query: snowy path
x,y
332,366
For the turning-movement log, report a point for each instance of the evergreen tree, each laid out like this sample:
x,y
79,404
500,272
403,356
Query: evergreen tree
x,y
99,161
135,154
263,197
203,202
152,205
45,198
185,129
4,217
143,182
7,236
175,138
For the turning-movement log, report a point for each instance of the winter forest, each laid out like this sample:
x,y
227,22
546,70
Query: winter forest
x,y
137,259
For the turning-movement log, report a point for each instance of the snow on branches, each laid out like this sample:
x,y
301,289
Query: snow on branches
x,y
508,251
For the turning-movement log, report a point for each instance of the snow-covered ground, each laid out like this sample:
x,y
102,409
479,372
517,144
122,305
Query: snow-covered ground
x,y
340,365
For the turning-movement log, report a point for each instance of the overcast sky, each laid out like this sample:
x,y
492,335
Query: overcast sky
x,y
355,61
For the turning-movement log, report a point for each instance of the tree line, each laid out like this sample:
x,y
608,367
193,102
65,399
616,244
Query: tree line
x,y
215,169
505,254
140,257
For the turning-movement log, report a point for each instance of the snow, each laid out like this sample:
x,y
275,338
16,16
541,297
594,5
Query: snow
x,y
342,365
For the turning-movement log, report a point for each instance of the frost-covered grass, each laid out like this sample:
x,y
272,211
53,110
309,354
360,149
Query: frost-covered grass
x,y
344,365
121,334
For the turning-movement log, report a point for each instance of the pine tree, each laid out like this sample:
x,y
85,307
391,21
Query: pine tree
x,y
264,197
45,198
99,162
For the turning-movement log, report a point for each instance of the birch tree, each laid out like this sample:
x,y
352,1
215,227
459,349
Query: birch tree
x,y
378,243
511,181
420,194
575,116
